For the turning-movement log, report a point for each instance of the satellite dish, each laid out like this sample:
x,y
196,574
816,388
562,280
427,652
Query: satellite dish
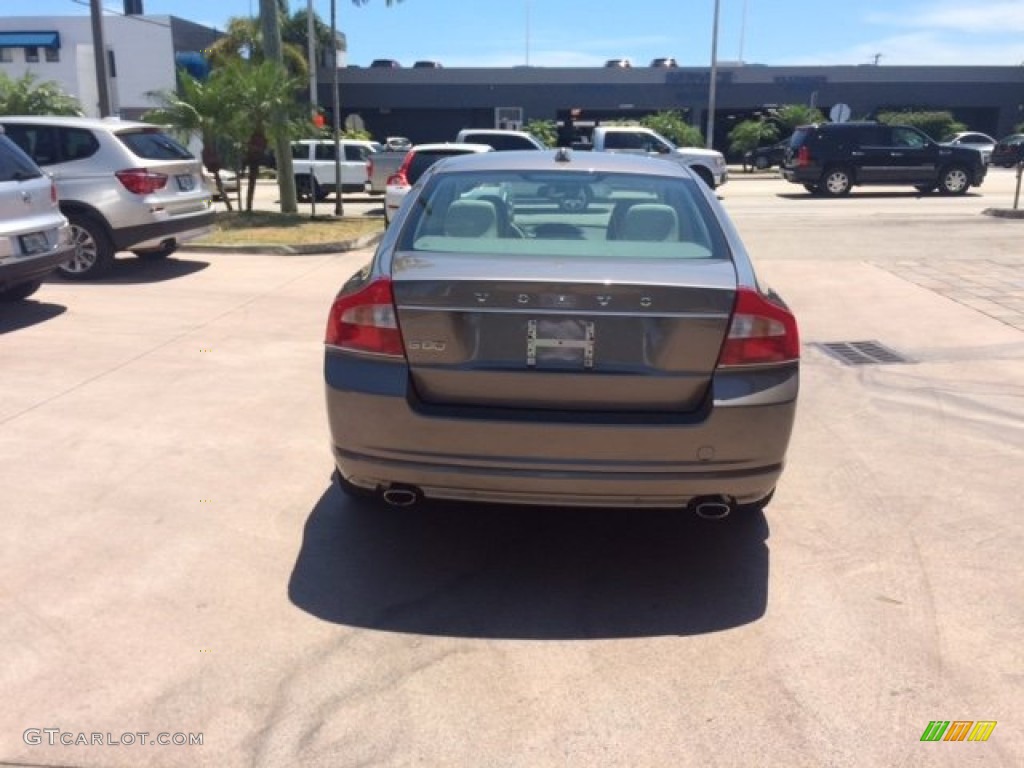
x,y
840,113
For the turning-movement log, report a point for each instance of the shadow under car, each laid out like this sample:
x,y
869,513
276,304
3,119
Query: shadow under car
x,y
490,571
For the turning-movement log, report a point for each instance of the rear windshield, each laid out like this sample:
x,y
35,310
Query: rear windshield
x,y
15,165
566,213
421,160
153,145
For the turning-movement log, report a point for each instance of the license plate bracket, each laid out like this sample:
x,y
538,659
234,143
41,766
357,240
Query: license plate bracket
x,y
33,243
186,182
561,342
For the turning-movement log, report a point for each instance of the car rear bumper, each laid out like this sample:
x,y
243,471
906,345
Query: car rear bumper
x,y
28,269
735,447
179,228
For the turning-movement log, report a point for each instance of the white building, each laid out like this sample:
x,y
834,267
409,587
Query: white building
x,y
143,54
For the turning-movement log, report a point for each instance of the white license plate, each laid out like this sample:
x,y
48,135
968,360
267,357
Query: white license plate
x,y
186,183
34,242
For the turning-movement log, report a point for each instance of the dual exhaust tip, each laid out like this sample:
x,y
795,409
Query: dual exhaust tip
x,y
705,507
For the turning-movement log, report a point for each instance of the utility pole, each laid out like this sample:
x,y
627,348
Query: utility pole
x,y
311,56
714,81
99,49
271,28
336,110
311,53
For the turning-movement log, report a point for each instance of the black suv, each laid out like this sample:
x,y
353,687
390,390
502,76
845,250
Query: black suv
x,y
830,158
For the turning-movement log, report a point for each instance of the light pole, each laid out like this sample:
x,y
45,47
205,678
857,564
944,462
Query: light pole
x,y
99,48
527,32
336,109
311,51
714,80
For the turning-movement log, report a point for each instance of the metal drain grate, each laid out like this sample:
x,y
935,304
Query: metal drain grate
x,y
861,352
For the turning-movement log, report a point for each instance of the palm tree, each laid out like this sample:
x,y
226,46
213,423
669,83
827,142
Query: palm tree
x,y
26,96
200,109
243,40
258,95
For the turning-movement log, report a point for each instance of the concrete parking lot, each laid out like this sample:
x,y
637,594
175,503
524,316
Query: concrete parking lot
x,y
174,560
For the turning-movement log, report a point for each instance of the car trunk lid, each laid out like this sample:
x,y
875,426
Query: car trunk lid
x,y
570,334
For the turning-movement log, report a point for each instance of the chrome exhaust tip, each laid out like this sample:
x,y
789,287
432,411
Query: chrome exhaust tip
x,y
712,509
401,495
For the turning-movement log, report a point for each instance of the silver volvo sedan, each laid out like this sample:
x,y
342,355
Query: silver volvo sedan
x,y
561,328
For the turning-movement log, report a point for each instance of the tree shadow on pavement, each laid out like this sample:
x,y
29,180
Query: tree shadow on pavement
x,y
474,570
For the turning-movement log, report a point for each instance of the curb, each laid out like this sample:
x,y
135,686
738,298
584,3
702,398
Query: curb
x,y
287,250
1005,213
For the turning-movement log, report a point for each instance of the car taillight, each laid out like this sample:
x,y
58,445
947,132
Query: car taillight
x,y
803,157
761,332
398,180
140,181
366,321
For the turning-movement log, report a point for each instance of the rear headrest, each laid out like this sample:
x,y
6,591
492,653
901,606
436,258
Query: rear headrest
x,y
650,221
471,218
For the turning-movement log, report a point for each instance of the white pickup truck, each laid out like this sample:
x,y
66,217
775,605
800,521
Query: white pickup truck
x,y
708,164
500,140
314,167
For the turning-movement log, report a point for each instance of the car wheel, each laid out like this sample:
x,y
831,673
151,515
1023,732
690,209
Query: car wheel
x,y
156,254
924,189
954,181
19,292
761,163
836,182
304,188
351,490
705,176
94,253
812,188
755,507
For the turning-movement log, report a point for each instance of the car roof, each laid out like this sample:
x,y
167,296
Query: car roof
x,y
101,123
544,160
467,146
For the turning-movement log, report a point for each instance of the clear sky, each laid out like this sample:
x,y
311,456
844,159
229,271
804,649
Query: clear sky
x,y
571,33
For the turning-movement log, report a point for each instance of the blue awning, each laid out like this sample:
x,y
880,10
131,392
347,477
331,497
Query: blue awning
x,y
29,39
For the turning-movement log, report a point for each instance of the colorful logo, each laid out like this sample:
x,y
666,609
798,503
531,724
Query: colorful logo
x,y
958,730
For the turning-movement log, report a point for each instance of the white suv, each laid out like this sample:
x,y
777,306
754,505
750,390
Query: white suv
x,y
34,236
124,186
314,167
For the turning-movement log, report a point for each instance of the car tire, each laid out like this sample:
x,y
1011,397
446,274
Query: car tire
x,y
351,490
836,182
305,188
705,176
94,253
20,291
755,507
954,180
812,188
157,254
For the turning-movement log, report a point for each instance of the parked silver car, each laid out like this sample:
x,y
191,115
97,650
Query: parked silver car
x,y
502,348
979,141
124,186
34,235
